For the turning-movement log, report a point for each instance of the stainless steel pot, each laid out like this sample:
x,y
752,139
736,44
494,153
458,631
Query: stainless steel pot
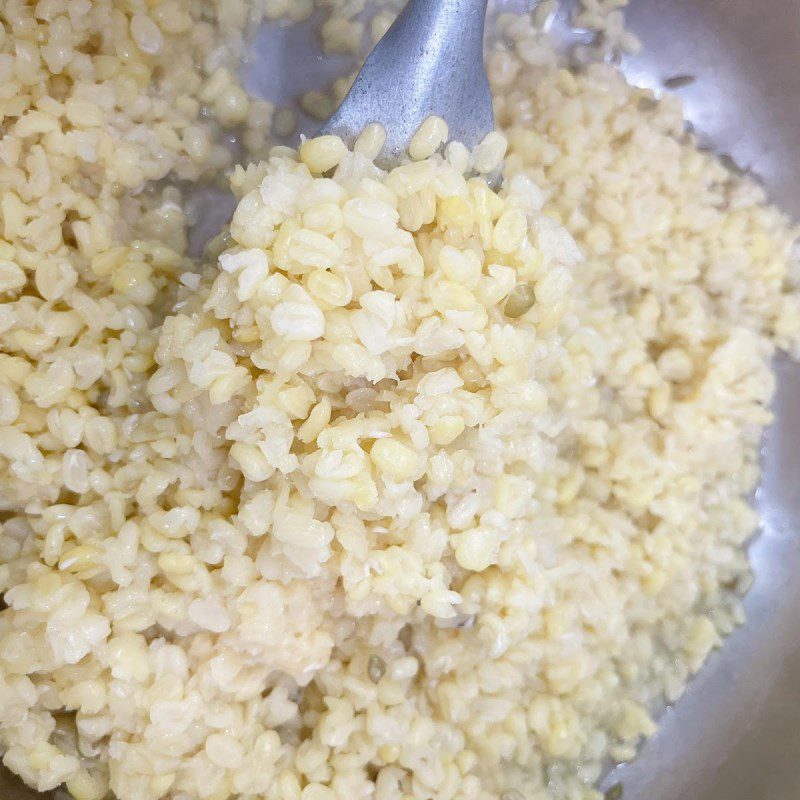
x,y
735,735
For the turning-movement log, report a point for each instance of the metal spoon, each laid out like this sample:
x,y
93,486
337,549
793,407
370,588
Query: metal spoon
x,y
429,62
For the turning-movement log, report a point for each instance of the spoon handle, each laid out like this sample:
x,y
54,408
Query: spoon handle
x,y
429,62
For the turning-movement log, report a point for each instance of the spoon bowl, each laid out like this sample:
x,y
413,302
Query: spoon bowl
x,y
430,62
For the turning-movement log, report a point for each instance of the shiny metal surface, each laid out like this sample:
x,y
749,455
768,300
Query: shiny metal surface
x,y
735,735
429,62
